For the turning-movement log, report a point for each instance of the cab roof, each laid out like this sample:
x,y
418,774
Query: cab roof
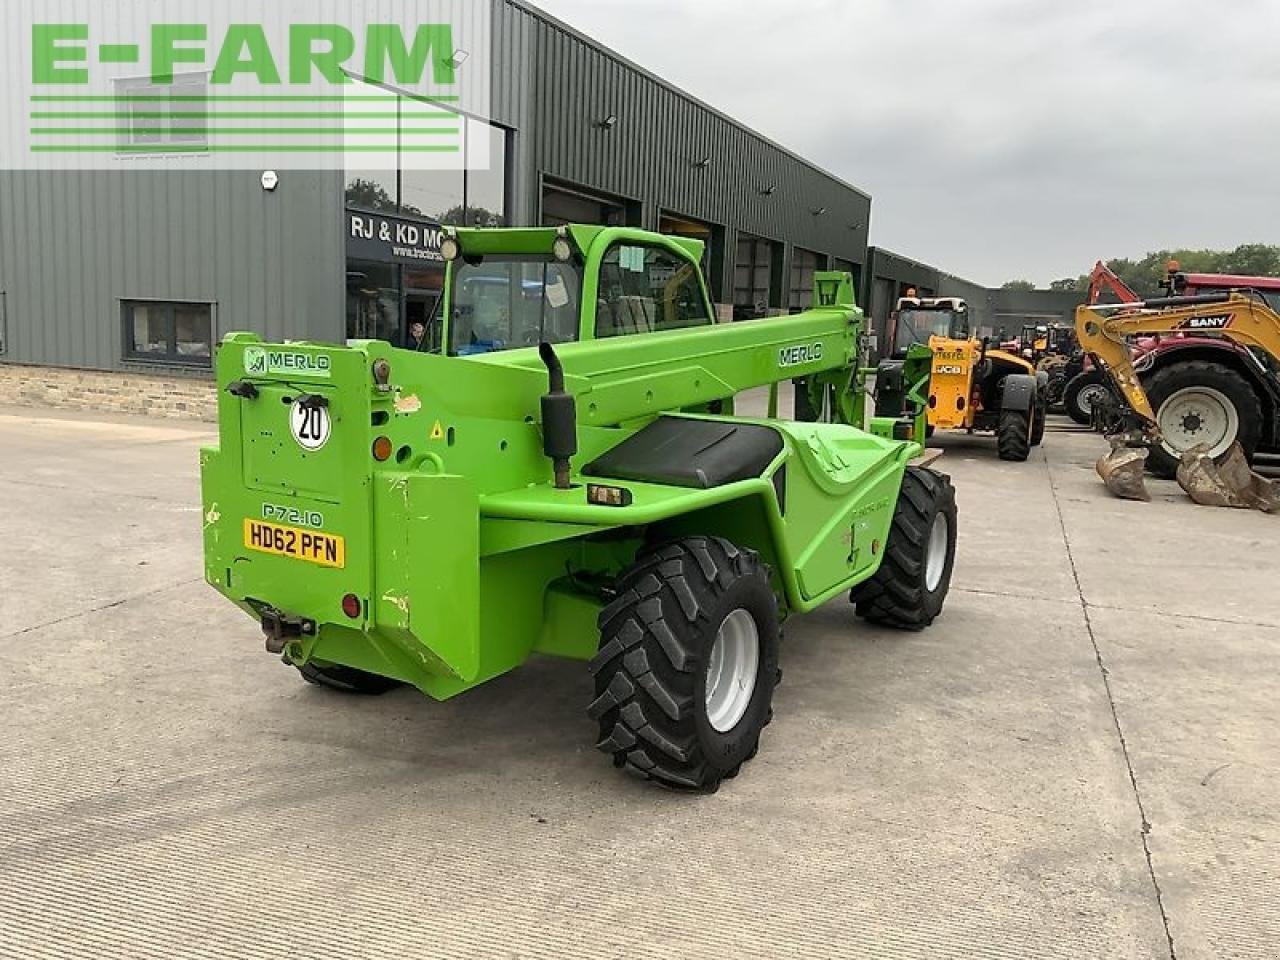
x,y
932,303
536,241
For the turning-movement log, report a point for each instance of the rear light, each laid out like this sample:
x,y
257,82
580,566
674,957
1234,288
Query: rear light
x,y
351,606
381,449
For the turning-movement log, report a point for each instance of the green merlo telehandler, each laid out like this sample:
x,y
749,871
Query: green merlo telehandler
x,y
564,475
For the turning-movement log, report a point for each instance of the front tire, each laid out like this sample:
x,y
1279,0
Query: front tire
x,y
1014,434
1079,393
908,590
1201,402
333,676
687,664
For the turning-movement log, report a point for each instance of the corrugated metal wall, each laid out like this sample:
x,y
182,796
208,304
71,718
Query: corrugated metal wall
x,y
1012,308
652,152
72,245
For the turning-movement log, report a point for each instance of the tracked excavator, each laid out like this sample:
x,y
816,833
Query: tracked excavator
x,y
1213,469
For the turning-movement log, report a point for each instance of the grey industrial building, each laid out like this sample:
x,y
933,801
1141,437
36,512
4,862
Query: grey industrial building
x,y
142,272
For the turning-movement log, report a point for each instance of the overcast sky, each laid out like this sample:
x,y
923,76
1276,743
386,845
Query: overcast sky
x,y
997,138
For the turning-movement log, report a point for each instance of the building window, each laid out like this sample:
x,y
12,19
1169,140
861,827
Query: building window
x,y
472,198
373,301
168,332
564,204
155,122
645,289
803,264
752,274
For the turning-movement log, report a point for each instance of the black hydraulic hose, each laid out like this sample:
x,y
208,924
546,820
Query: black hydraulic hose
x,y
1202,298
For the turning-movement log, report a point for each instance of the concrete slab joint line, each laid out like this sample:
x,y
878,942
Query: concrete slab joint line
x,y
1144,823
107,605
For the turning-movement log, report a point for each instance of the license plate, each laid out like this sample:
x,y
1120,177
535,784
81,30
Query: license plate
x,y
326,549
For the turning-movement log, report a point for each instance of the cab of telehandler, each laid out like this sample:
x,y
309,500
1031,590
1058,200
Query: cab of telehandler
x,y
917,320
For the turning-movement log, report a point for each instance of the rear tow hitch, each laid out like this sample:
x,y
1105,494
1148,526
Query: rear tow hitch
x,y
280,628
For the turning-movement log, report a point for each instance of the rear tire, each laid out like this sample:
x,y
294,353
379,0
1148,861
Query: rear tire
x,y
1076,396
1013,435
661,711
346,679
908,590
1216,384
1041,413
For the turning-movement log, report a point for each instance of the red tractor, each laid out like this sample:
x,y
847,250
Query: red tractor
x,y
1204,389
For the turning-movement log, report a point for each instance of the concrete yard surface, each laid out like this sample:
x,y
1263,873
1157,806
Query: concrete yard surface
x,y
1079,759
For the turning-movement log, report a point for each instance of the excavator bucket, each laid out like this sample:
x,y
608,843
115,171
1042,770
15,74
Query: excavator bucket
x,y
1121,470
1227,484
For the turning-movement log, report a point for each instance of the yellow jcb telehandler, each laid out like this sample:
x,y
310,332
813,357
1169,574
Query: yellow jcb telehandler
x,y
1218,396
973,387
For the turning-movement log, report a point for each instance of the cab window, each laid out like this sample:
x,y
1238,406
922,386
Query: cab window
x,y
504,302
647,289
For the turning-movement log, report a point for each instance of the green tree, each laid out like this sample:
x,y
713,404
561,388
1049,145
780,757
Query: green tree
x,y
369,195
461,216
1017,285
1146,276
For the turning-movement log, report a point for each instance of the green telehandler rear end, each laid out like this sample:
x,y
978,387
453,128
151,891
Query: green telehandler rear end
x,y
566,476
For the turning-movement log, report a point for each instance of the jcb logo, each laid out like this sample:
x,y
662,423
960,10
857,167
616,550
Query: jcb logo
x,y
946,368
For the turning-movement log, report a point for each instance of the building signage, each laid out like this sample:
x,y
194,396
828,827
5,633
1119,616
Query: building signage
x,y
391,239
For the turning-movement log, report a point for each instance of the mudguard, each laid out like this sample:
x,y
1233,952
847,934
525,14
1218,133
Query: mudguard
x,y
1019,392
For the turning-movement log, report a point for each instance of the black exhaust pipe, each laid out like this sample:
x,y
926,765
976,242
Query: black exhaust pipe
x,y
559,418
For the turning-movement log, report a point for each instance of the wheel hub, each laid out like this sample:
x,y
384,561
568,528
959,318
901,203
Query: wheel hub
x,y
731,670
1198,415
1088,396
935,558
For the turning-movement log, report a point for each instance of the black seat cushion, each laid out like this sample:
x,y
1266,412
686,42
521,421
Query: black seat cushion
x,y
684,452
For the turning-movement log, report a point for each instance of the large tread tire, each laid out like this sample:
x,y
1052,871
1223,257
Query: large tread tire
x,y
898,595
1013,435
1041,412
332,676
1201,373
1071,395
650,674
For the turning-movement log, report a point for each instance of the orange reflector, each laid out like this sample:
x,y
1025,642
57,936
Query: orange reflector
x,y
602,495
381,449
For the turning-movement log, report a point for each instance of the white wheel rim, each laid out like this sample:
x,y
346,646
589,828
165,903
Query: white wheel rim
x,y
731,670
1088,395
1197,415
935,557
